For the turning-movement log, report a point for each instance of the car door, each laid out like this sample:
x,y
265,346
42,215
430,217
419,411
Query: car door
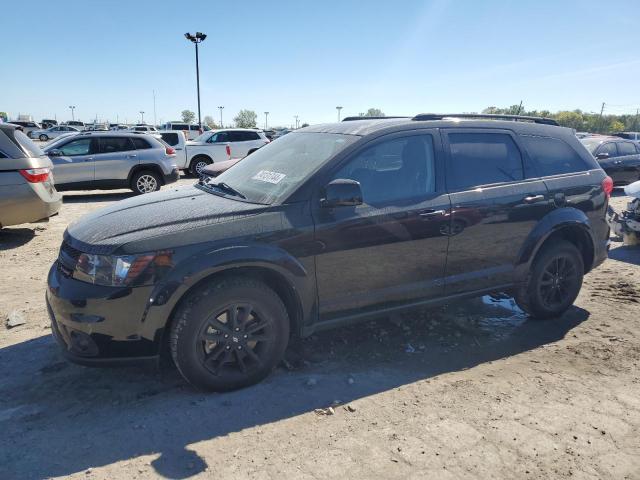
x,y
116,155
495,206
391,249
607,156
75,162
240,143
628,161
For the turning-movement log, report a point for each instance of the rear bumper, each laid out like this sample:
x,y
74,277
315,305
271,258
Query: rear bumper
x,y
27,202
172,177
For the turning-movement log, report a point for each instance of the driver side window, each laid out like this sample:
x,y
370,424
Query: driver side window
x,y
393,170
76,147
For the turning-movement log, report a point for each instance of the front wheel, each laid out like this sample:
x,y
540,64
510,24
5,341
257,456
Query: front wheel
x,y
198,164
229,334
145,181
554,281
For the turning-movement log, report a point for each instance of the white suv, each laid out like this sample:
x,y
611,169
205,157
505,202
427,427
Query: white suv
x,y
243,141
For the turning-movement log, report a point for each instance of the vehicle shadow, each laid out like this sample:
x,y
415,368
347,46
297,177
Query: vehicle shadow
x,y
15,237
96,197
627,254
96,417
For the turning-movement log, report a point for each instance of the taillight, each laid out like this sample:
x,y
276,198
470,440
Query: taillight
x,y
170,151
607,186
35,175
228,151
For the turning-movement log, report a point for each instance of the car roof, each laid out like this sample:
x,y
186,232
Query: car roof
x,y
368,126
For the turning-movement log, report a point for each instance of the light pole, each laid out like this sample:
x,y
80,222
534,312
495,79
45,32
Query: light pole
x,y
266,115
196,39
296,117
72,107
338,108
142,113
220,107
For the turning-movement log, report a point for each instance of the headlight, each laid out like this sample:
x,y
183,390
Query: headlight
x,y
124,270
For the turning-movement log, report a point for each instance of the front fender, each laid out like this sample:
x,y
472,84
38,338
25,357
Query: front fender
x,y
205,263
550,223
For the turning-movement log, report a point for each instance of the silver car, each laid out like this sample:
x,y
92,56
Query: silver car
x,y
27,193
108,160
53,132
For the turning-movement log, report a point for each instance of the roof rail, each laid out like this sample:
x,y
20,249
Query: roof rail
x,y
489,116
351,119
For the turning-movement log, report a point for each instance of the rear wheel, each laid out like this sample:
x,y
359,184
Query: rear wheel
x,y
198,164
229,334
43,138
145,181
554,281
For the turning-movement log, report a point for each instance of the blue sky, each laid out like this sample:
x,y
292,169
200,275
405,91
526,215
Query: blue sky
x,y
306,57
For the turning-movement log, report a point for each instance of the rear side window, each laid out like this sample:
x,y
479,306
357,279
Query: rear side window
x,y
115,144
141,143
626,148
171,138
609,148
482,159
553,156
179,126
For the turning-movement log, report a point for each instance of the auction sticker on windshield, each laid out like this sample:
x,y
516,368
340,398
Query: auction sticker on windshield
x,y
269,177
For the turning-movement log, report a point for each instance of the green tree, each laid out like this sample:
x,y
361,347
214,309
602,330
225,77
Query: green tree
x,y
246,119
570,119
188,116
4,116
210,122
374,112
616,126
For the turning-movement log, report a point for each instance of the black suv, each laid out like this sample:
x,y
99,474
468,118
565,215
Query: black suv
x,y
325,226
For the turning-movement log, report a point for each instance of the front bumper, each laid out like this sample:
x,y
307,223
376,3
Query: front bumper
x,y
98,325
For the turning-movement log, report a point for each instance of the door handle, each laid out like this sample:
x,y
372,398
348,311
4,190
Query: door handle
x,y
533,198
132,156
177,149
617,162
90,159
431,213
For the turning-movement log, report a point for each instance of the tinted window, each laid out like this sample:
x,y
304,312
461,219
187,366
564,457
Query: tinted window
x,y
170,138
76,147
397,169
609,148
141,143
626,148
194,127
482,159
179,126
553,156
115,144
236,137
219,137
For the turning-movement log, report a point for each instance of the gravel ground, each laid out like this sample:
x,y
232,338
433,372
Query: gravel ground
x,y
471,390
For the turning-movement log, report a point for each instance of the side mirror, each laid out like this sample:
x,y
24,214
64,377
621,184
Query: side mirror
x,y
342,193
54,153
602,156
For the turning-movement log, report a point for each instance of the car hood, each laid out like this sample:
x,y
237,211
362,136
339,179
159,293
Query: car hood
x,y
160,214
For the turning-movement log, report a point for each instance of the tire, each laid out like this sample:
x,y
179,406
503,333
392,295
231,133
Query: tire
x,y
43,138
197,164
208,353
145,181
554,281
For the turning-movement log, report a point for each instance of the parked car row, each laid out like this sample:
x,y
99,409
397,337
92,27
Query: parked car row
x,y
619,157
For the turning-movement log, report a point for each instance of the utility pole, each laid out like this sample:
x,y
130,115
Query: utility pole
x,y
338,108
154,108
600,118
196,39
635,121
72,107
142,113
220,108
266,115
296,117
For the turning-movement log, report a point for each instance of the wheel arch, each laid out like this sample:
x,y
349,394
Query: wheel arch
x,y
198,156
563,224
146,166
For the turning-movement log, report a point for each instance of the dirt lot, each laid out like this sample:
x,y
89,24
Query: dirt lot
x,y
474,390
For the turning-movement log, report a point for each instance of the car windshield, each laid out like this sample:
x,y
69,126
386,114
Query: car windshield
x,y
202,137
273,172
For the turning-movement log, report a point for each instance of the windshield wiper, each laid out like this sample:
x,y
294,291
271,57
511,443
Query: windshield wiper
x,y
227,188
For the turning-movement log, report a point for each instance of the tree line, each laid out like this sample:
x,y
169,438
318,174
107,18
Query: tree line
x,y
577,119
